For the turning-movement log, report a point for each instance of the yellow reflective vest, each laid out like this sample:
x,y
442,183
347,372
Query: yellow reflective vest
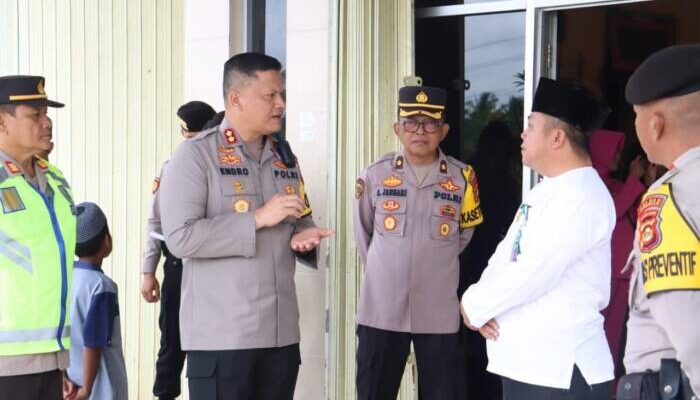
x,y
37,244
669,247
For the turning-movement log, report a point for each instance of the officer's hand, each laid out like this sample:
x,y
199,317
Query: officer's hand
x,y
82,394
277,209
150,288
308,239
70,390
490,330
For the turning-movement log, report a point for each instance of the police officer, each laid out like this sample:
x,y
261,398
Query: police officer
x,y
37,242
415,211
239,217
662,330
171,358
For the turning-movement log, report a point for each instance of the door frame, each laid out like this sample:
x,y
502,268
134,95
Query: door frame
x,y
540,49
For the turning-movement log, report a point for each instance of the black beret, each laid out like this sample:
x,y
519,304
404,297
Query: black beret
x,y
572,104
25,89
194,115
673,71
423,100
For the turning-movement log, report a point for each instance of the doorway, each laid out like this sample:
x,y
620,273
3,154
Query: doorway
x,y
481,59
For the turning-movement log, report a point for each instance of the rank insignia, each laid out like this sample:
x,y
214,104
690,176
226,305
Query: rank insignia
x,y
238,187
289,189
10,200
389,223
443,166
392,181
449,186
230,136
448,211
226,150
444,229
241,206
391,205
279,164
359,188
399,162
12,167
155,185
42,164
229,159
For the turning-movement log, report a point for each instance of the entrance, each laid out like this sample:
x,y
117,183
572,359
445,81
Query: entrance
x,y
478,52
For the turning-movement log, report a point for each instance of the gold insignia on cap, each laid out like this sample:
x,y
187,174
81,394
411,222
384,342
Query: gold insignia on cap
x,y
359,188
421,97
238,187
40,87
241,206
389,223
445,229
392,181
183,124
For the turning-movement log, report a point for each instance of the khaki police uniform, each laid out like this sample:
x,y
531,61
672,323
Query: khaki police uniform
x,y
664,293
409,233
662,356
238,295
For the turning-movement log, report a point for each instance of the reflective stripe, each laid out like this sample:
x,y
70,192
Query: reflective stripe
x,y
16,252
31,335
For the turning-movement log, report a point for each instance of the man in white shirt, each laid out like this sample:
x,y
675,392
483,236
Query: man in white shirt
x,y
539,300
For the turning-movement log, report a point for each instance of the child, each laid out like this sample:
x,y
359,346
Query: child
x,y
96,359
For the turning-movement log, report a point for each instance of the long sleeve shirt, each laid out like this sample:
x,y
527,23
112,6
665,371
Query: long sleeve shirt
x,y
547,282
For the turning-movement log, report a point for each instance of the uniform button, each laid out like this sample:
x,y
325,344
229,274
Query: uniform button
x,y
628,386
668,389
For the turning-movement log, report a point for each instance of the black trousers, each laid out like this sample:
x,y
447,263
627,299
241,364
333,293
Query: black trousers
x,y
579,390
171,358
251,374
381,360
41,386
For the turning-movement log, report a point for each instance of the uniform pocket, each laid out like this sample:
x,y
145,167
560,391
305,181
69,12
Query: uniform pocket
x,y
238,195
201,375
390,217
443,228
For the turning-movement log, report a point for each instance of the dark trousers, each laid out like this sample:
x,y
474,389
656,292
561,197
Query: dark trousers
x,y
251,374
381,360
579,390
41,386
171,358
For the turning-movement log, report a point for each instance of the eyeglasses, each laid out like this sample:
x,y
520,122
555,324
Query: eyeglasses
x,y
429,125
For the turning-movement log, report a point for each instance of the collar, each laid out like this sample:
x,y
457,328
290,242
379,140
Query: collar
x,y
441,172
87,266
685,158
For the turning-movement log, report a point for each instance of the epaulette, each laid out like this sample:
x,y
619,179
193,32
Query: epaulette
x,y
384,158
202,134
456,162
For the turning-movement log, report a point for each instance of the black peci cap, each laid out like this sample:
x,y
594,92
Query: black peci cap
x,y
194,115
572,104
25,89
673,71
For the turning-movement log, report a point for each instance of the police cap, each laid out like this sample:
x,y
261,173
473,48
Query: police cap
x,y
673,71
422,100
25,89
194,115
570,103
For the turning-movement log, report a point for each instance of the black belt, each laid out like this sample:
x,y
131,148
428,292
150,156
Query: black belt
x,y
670,383
164,248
